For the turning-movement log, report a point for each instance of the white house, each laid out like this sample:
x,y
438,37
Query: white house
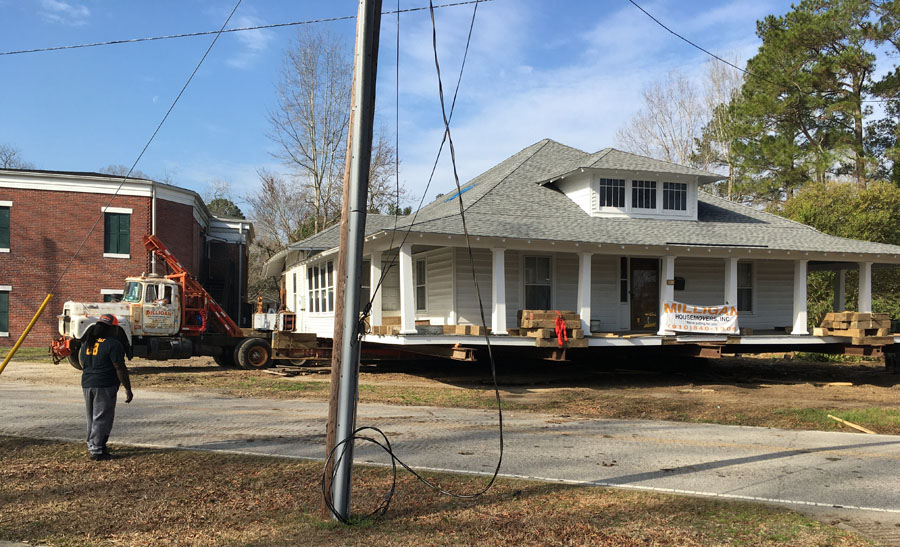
x,y
611,235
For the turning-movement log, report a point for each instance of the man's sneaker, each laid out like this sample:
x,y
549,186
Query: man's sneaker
x,y
101,456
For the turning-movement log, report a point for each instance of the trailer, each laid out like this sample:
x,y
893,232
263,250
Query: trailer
x,y
174,317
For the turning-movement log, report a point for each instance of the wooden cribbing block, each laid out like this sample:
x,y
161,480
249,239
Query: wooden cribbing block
x,y
551,333
872,340
474,330
870,324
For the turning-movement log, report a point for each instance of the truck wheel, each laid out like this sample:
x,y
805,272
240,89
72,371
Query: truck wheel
x,y
254,353
892,362
73,360
226,359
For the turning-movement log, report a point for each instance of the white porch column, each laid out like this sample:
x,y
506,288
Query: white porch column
x,y
584,291
666,291
498,293
800,298
407,302
731,281
375,315
840,290
865,287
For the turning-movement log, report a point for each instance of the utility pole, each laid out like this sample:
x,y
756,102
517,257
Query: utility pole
x,y
346,344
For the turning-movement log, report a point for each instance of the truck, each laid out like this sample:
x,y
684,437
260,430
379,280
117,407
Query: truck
x,y
163,317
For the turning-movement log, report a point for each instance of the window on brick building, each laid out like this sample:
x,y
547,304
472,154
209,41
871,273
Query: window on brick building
x,y
5,207
117,234
4,310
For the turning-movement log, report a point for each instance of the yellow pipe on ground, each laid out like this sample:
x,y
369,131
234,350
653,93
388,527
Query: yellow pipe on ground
x,y
21,339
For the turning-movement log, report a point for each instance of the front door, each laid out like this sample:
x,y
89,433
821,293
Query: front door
x,y
644,294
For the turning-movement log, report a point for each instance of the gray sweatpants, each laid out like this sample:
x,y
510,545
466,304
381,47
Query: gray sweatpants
x,y
100,407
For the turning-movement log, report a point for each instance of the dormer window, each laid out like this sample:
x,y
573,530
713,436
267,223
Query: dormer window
x,y
643,194
674,196
612,193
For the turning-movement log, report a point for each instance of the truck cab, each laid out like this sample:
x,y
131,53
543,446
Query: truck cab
x,y
154,305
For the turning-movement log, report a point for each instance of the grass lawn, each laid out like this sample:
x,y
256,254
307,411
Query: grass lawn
x,y
50,493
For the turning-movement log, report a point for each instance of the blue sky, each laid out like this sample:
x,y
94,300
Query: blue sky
x,y
568,70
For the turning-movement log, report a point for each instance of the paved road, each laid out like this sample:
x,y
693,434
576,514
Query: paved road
x,y
801,469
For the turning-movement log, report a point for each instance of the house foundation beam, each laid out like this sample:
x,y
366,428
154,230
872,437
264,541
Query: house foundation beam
x,y
666,291
840,290
498,292
407,303
375,314
584,291
800,315
864,304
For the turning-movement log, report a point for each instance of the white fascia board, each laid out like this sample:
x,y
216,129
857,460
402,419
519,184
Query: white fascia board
x,y
73,183
6,288
4,203
112,291
119,210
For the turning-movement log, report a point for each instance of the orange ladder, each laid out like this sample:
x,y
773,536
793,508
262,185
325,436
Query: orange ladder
x,y
198,309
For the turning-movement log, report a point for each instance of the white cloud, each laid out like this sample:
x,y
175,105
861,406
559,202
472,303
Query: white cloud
x,y
253,42
576,88
66,13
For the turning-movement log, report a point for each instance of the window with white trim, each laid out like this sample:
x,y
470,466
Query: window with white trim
x,y
611,193
117,232
538,284
745,287
4,310
5,209
643,194
321,288
421,303
674,196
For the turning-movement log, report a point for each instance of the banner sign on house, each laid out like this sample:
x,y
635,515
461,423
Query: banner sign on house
x,y
706,319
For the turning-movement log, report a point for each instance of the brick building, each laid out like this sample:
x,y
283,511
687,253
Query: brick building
x,y
45,216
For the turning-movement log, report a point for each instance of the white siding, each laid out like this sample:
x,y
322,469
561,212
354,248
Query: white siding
x,y
512,265
466,299
605,291
320,323
579,190
704,281
565,282
773,295
438,285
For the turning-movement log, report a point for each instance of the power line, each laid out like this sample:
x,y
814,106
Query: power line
x,y
714,56
146,146
219,32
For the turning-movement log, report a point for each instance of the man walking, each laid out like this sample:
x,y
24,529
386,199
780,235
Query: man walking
x,y
103,369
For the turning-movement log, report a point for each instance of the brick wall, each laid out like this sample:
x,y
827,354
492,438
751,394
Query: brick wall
x,y
180,232
46,227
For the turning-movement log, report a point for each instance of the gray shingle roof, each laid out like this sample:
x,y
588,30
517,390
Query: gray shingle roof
x,y
610,158
512,200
